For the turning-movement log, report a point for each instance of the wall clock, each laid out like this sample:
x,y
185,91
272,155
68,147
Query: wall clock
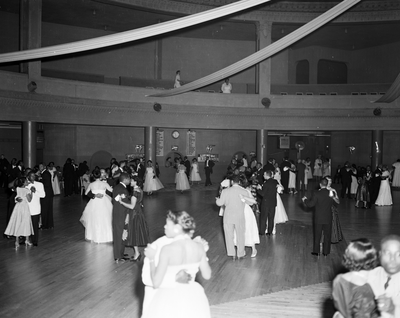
x,y
175,134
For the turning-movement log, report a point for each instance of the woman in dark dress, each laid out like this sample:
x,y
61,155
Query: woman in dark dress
x,y
136,231
337,235
68,174
352,295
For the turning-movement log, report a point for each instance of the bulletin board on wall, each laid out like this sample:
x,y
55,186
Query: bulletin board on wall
x,y
202,157
284,142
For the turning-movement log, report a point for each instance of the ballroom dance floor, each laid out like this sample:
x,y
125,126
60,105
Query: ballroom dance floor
x,y
66,276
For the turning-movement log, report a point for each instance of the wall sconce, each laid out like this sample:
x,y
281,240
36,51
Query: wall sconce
x,y
139,148
210,148
351,149
174,148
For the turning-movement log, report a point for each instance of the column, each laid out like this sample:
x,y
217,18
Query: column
x,y
158,59
31,34
376,148
264,29
29,143
262,139
150,144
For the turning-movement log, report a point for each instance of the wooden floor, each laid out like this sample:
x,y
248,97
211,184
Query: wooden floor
x,y
65,276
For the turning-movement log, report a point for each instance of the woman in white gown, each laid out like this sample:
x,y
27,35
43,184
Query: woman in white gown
x,y
308,172
251,237
54,178
385,195
182,182
318,168
97,216
194,172
280,211
151,182
292,178
396,175
171,298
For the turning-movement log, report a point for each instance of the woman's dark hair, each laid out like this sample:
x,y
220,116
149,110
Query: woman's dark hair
x,y
96,173
243,181
19,182
360,255
183,219
138,180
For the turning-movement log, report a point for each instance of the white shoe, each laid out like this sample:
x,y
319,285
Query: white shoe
x,y
254,254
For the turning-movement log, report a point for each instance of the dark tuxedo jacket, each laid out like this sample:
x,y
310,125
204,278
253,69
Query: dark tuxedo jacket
x,y
140,169
210,165
269,166
47,185
119,211
346,175
187,165
301,167
260,176
323,206
268,193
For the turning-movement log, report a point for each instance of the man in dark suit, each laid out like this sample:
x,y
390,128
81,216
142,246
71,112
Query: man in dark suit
x,y
285,166
208,169
140,168
346,180
186,162
259,173
301,168
270,165
375,184
46,203
3,171
119,212
267,211
322,201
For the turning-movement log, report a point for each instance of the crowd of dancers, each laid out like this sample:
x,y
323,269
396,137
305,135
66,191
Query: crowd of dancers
x,y
251,206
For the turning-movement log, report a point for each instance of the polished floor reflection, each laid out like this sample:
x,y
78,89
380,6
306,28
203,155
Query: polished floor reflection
x,y
65,276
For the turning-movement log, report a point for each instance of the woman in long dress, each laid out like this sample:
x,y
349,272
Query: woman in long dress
x,y
280,211
177,82
318,168
362,195
251,237
182,182
151,182
396,174
54,178
171,298
97,216
308,172
384,195
336,235
354,181
136,232
292,178
352,295
20,223
194,172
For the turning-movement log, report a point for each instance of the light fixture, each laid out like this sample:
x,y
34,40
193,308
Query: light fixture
x,y
210,148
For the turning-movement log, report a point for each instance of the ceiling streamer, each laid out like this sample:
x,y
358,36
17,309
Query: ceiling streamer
x,y
263,53
129,36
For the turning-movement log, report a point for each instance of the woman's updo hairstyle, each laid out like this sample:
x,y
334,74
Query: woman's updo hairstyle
x,y
19,182
183,219
96,173
360,255
139,181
